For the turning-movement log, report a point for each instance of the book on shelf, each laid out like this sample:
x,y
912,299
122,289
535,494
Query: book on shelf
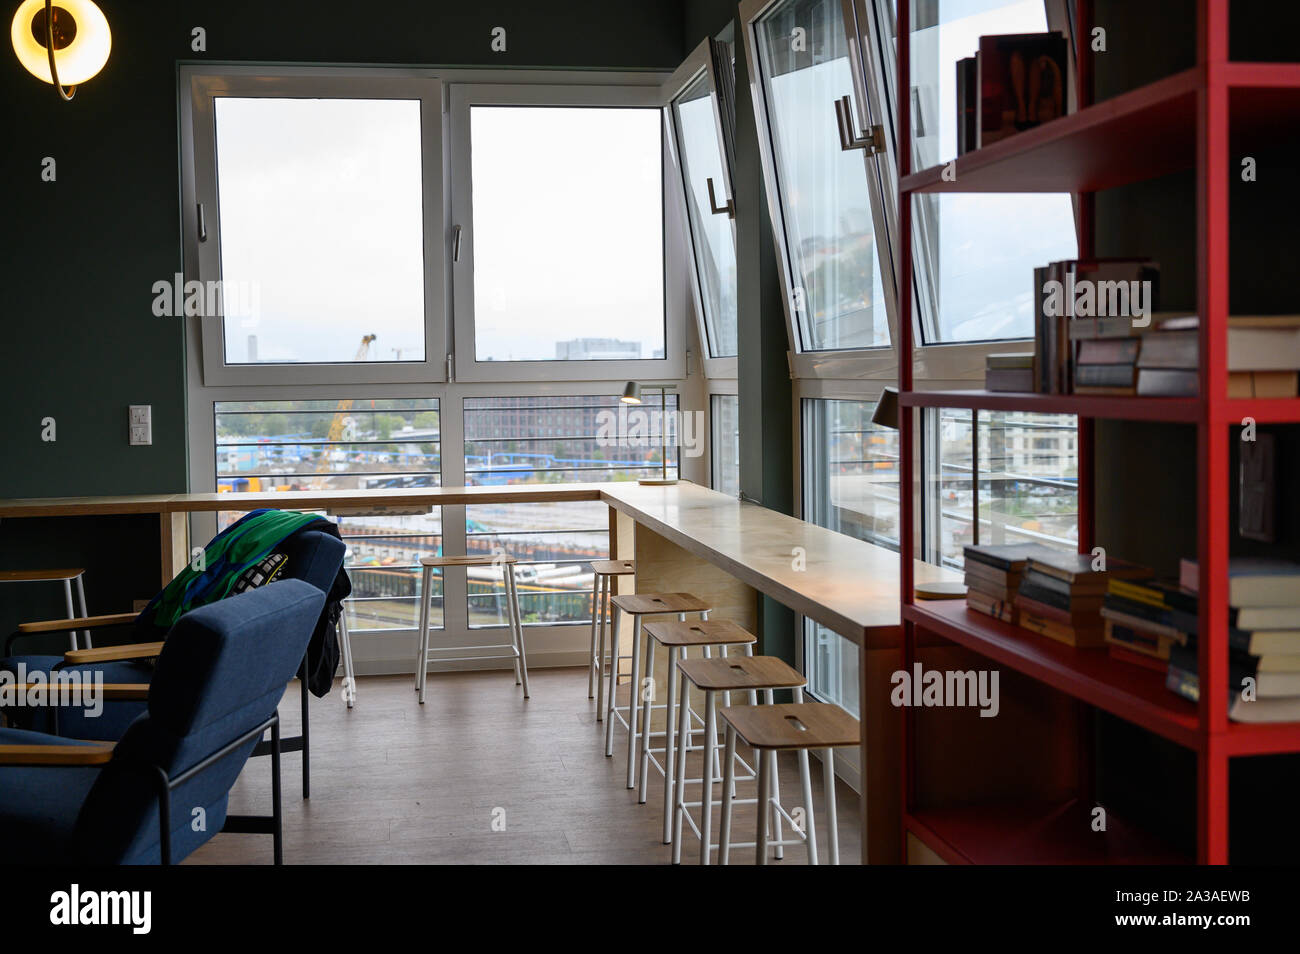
x,y
1078,635
1254,582
1023,80
1263,384
1254,694
967,103
1009,372
1131,639
1004,610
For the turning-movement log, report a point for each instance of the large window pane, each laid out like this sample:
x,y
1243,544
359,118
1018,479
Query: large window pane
x,y
568,233
825,206
713,241
322,242
553,440
726,444
850,475
965,296
270,446
1028,480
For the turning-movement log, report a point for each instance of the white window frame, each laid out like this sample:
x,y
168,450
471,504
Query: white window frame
x,y
202,259
463,96
702,61
394,651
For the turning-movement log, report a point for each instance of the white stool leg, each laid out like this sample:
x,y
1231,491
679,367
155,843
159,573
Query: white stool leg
x,y
67,599
591,654
422,665
775,816
670,728
805,779
728,794
649,693
349,674
633,701
683,735
602,586
706,797
81,602
612,701
832,819
521,660
764,796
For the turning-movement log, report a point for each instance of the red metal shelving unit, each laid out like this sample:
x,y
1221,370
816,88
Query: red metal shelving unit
x,y
1183,121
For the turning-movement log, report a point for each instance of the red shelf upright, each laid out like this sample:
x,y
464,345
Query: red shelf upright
x,y
1092,149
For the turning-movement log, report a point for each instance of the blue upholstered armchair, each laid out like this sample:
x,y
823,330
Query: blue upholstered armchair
x,y
217,682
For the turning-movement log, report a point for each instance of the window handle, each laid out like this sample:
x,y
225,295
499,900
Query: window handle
x,y
729,210
455,244
872,142
203,225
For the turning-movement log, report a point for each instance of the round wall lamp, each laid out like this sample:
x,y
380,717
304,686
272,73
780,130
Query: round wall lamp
x,y
61,42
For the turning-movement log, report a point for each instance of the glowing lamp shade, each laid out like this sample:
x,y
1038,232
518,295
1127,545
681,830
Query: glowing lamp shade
x,y
81,40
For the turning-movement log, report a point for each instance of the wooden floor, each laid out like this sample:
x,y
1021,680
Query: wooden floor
x,y
394,782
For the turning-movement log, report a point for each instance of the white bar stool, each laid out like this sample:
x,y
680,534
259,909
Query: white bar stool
x,y
603,572
678,638
639,605
783,728
734,674
515,621
67,578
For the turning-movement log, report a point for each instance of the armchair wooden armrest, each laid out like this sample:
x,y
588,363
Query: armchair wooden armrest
x,y
80,622
77,657
109,691
86,753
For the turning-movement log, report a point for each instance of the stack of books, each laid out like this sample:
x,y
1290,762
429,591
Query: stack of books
x,y
1114,297
1263,356
1263,641
1145,619
993,575
1009,372
1061,596
1168,362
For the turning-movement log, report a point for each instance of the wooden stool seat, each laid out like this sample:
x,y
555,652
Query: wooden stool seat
x,y
39,576
484,559
613,567
730,674
651,604
705,632
805,725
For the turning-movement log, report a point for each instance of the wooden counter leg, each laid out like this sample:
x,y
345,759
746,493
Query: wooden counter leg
x,y
175,538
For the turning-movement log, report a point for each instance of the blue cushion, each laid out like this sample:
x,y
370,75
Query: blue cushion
x,y
39,804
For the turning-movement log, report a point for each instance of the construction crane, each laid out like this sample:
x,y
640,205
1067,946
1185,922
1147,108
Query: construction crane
x,y
339,423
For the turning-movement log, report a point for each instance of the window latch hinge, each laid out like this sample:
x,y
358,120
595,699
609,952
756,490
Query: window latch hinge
x,y
451,367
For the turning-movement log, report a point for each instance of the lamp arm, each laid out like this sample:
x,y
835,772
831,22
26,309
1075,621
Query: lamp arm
x,y
49,48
